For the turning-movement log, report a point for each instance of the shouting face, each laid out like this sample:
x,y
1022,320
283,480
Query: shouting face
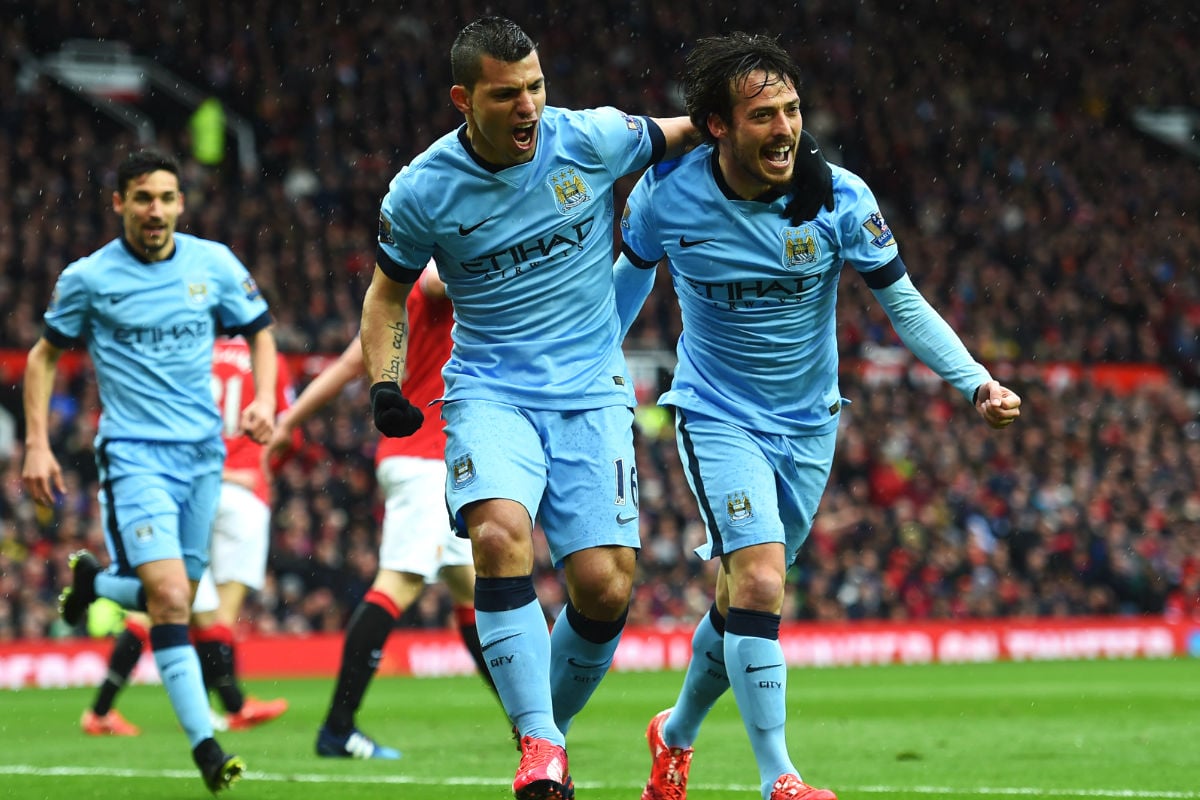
x,y
503,109
757,145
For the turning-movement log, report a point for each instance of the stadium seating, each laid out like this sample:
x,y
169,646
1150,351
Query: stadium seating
x,y
1030,210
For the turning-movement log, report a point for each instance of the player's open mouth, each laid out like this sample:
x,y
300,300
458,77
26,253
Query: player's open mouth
x,y
778,157
524,135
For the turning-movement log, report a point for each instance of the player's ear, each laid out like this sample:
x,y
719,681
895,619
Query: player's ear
x,y
461,98
716,126
118,203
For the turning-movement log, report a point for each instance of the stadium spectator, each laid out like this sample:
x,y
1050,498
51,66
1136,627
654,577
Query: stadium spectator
x,y
1048,227
149,333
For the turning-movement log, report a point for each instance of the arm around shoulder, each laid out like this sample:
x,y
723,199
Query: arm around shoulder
x,y
679,133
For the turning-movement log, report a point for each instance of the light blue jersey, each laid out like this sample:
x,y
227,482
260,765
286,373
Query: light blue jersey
x,y
149,328
526,254
758,295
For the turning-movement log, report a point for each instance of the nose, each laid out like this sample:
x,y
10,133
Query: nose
x,y
525,105
781,124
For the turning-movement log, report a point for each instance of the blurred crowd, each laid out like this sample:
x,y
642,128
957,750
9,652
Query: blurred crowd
x,y
997,136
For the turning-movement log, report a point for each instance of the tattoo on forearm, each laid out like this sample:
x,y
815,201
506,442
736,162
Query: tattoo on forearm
x,y
394,370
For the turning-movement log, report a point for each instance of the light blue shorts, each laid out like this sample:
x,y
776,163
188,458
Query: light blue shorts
x,y
573,471
159,500
752,487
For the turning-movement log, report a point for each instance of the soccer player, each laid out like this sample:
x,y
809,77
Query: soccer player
x,y
516,208
147,305
756,228
418,545
238,553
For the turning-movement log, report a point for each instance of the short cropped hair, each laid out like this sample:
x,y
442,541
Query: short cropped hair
x,y
718,65
497,37
143,162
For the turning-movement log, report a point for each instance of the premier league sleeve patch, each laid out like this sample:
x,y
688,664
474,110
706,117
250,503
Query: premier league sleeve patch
x,y
251,289
881,234
385,231
634,124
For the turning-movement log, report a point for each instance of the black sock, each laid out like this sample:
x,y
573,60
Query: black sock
x,y
207,752
368,630
125,655
216,664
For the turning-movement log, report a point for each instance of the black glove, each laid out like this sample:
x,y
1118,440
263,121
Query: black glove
x,y
812,182
394,415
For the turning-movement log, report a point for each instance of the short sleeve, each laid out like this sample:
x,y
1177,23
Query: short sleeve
x,y
67,315
867,241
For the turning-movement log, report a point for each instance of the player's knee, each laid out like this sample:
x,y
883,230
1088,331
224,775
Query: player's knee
x,y
169,602
757,590
602,596
494,542
606,605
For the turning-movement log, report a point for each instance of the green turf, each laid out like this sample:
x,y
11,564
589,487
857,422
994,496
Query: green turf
x,y
1112,729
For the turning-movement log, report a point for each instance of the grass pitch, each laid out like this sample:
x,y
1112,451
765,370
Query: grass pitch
x,y
1104,729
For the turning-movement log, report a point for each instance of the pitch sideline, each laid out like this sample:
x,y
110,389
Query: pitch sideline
x,y
932,791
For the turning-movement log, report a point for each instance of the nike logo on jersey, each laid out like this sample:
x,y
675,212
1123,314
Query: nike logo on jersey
x,y
498,641
813,151
625,520
116,298
581,665
467,231
683,242
751,668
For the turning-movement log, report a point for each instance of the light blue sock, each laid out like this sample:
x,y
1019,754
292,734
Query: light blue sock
x,y
706,680
758,676
122,590
578,662
516,647
179,667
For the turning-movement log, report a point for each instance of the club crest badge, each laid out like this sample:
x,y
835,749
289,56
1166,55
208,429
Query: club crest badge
x,y
738,507
570,190
800,247
197,293
463,470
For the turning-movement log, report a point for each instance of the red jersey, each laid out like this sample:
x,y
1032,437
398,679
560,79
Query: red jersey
x,y
233,389
429,324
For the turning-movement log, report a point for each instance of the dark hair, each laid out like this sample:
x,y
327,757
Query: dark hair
x,y
143,162
719,64
500,38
